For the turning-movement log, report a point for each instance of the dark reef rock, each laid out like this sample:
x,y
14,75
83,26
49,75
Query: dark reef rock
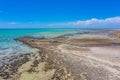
x,y
10,64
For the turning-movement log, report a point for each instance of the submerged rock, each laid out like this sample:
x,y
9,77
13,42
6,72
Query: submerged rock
x,y
10,64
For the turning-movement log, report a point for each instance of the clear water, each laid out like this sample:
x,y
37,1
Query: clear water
x,y
9,46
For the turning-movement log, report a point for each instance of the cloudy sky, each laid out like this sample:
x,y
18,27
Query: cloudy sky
x,y
59,14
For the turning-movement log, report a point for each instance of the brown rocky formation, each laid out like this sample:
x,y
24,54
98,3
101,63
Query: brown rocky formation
x,y
116,35
78,62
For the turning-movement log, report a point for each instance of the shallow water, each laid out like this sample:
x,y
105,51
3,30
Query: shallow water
x,y
9,46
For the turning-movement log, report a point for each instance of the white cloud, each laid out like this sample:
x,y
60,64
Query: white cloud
x,y
94,22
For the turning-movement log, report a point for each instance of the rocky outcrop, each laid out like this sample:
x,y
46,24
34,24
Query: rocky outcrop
x,y
116,35
74,62
10,64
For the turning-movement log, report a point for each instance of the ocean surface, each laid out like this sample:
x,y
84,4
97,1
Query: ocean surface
x,y
9,46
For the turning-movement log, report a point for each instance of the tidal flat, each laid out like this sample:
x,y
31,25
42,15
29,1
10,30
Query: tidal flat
x,y
94,55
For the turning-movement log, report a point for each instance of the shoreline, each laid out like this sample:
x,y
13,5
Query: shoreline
x,y
65,60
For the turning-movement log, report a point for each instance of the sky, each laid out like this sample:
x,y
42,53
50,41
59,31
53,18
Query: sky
x,y
59,13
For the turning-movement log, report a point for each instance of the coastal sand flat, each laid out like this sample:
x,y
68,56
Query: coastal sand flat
x,y
90,66
84,59
69,58
38,74
111,53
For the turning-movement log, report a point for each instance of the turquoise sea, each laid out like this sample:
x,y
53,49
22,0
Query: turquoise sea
x,y
9,46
